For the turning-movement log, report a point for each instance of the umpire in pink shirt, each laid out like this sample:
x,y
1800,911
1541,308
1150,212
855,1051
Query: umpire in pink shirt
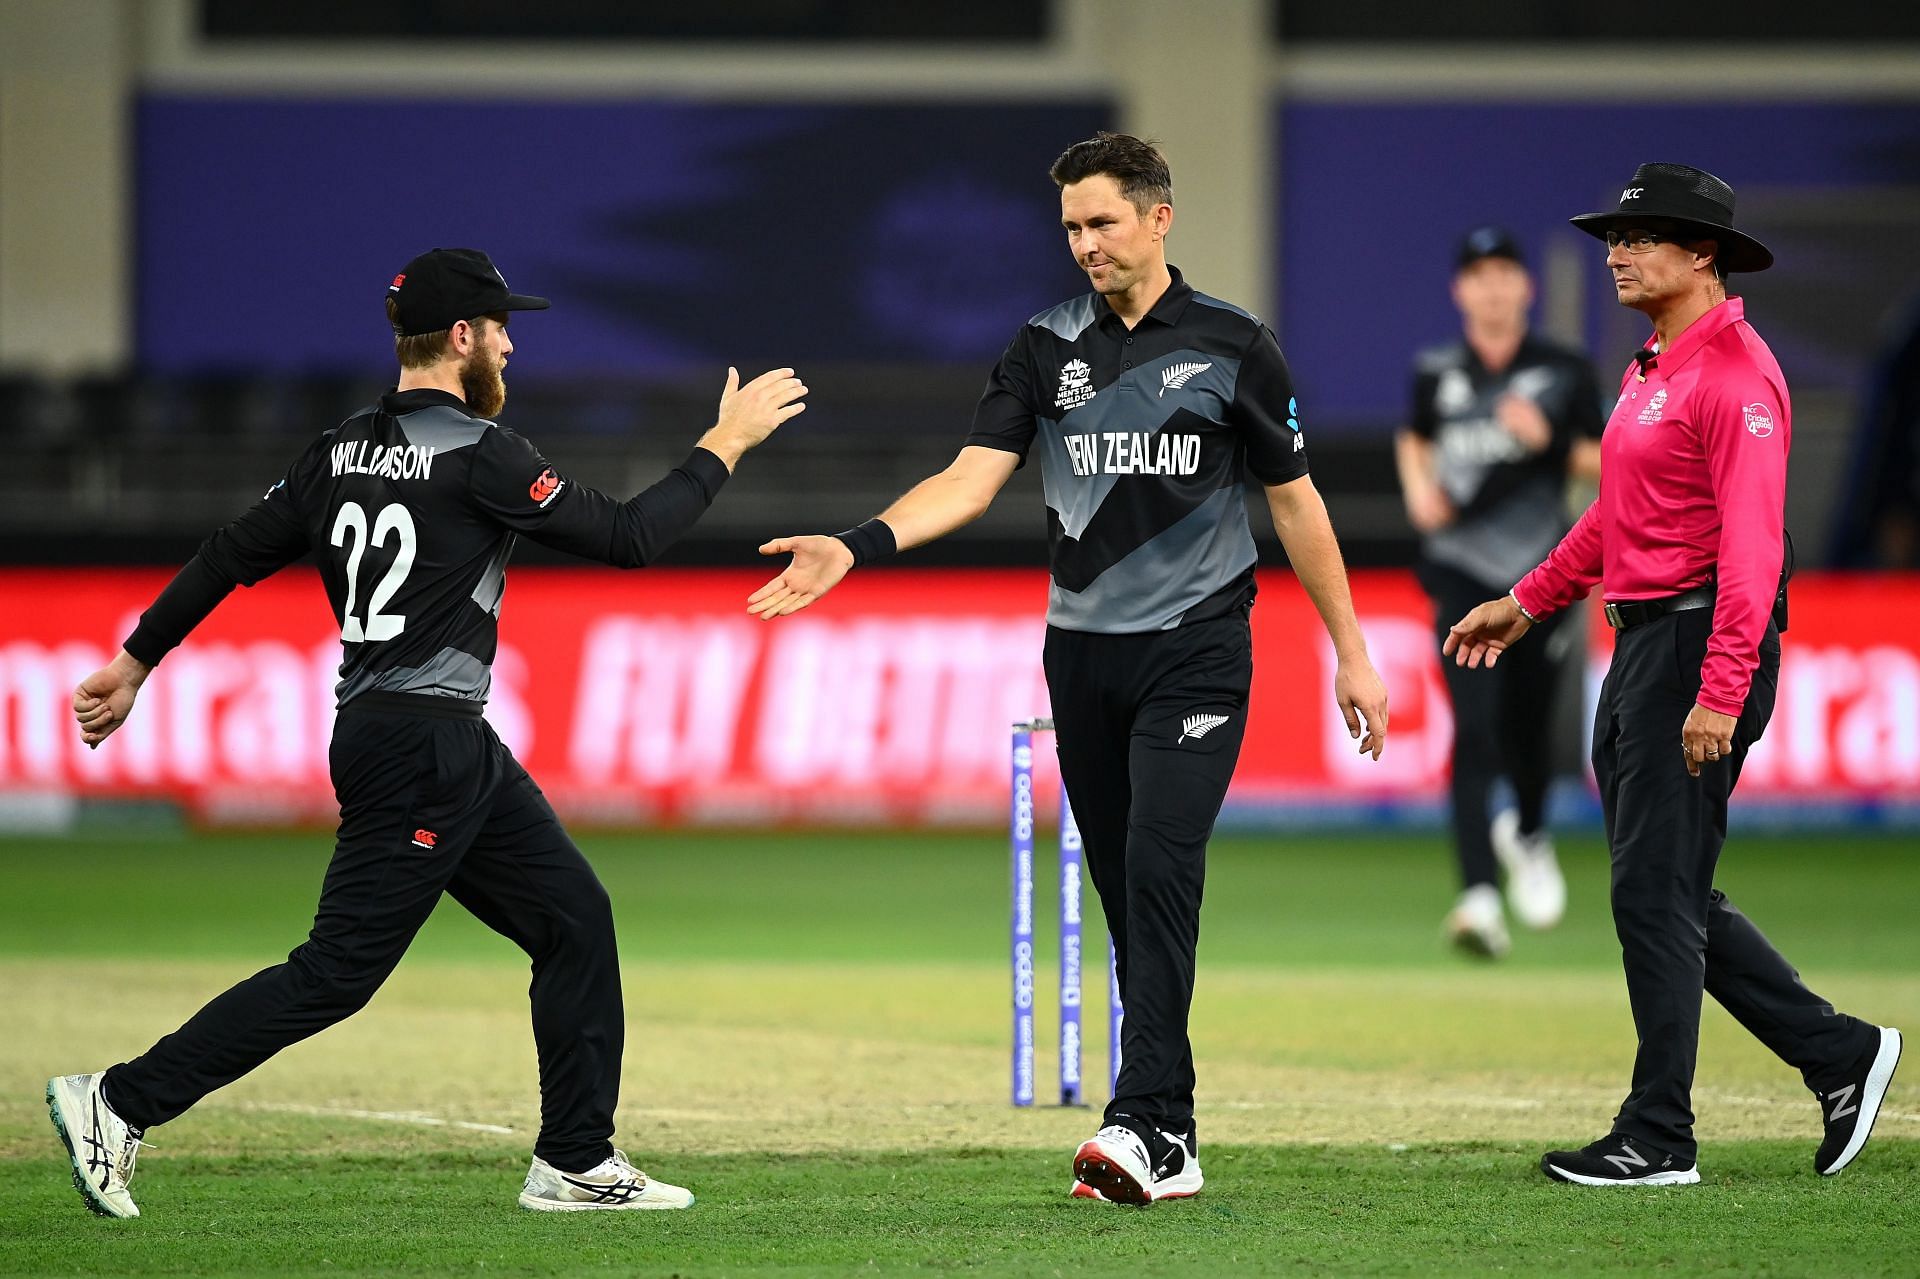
x,y
1686,542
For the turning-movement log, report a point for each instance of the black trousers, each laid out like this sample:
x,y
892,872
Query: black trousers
x,y
1149,729
1502,720
1678,934
428,804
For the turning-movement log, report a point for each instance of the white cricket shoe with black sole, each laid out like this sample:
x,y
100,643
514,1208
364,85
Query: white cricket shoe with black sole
x,y
1536,888
1848,1109
1616,1160
614,1184
101,1145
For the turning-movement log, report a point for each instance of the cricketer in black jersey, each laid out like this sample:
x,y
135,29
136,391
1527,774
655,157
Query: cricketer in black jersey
x,y
1499,419
1155,410
411,508
1151,438
414,506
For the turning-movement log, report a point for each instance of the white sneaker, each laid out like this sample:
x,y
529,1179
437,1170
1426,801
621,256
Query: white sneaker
x,y
1178,1176
1476,923
614,1183
101,1144
1535,887
1115,1165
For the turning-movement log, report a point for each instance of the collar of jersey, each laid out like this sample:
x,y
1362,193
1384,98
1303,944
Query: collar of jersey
x,y
1168,310
1699,333
425,397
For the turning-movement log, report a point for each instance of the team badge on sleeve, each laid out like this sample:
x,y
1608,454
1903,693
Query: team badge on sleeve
x,y
545,488
1759,419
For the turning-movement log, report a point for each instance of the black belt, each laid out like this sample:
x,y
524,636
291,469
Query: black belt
x,y
1629,613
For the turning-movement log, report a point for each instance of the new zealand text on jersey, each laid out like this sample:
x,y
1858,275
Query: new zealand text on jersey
x,y
388,461
1133,453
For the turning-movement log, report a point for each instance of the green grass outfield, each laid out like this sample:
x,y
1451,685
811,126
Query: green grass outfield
x,y
818,1046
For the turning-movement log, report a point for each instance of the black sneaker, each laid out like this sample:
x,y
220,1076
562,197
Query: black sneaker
x,y
1618,1160
1851,1105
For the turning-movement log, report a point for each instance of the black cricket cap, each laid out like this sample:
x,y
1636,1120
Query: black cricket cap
x,y
1487,242
441,287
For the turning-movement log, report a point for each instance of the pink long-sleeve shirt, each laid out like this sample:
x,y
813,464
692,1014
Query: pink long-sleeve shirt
x,y
1693,489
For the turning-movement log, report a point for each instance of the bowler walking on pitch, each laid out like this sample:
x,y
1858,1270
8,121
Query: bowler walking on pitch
x,y
412,506
1154,408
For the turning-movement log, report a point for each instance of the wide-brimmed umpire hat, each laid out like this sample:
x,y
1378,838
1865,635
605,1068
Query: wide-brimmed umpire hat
x,y
1681,193
442,287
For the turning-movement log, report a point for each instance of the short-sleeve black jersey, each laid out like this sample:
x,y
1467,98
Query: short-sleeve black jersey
x,y
1149,438
411,507
1510,503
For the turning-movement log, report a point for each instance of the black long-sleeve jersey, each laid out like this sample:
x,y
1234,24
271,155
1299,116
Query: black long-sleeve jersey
x,y
413,506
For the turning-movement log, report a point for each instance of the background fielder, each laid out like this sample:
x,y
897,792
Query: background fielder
x,y
1499,419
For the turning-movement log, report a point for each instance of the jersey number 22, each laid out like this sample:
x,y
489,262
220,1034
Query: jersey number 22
x,y
351,523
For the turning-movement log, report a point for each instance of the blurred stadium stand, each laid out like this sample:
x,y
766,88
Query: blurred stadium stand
x,y
154,153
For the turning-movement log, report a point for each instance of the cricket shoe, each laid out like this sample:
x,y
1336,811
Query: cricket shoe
x,y
612,1184
101,1145
1850,1106
1476,924
1536,889
1121,1165
1619,1160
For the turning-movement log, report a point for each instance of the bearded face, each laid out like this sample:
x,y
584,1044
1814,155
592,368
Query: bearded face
x,y
483,381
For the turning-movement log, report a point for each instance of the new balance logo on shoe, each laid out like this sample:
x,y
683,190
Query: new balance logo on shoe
x,y
1627,1160
1176,376
1849,1110
1197,726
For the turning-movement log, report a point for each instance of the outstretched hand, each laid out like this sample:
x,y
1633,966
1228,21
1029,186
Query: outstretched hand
x,y
1485,633
749,414
817,566
105,698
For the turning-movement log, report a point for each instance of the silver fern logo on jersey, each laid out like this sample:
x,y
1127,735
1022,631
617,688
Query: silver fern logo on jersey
x,y
1198,726
1175,376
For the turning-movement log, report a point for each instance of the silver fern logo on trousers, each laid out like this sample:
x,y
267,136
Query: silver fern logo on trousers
x,y
1198,726
1176,376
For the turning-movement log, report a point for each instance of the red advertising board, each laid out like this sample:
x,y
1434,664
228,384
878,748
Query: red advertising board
x,y
653,697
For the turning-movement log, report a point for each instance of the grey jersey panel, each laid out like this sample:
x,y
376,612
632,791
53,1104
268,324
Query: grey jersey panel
x,y
1504,544
1071,318
1207,299
492,586
1152,588
1140,402
450,673
442,428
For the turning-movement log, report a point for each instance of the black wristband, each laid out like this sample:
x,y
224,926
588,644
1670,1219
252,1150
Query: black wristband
x,y
869,541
